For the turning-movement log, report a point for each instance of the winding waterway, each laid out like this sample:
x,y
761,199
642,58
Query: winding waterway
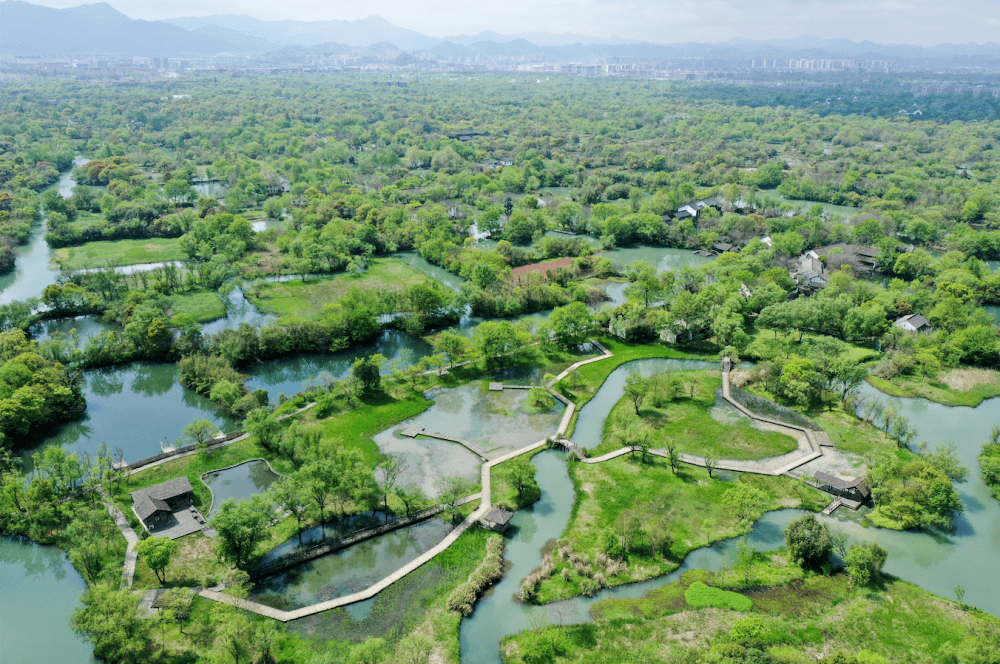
x,y
937,562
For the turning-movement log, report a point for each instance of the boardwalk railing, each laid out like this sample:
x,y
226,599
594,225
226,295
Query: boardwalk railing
x,y
278,565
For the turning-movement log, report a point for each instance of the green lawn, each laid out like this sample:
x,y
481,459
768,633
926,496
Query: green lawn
x,y
119,252
688,421
355,428
687,507
306,298
204,306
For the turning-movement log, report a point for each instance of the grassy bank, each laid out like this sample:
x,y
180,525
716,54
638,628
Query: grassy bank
x,y
581,385
796,618
958,387
119,252
204,306
682,408
676,514
307,298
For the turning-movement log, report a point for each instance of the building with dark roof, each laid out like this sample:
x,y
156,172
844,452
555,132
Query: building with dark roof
x,y
156,505
859,489
914,323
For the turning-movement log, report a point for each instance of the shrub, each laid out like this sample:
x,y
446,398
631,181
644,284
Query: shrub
x,y
749,628
699,596
489,571
809,541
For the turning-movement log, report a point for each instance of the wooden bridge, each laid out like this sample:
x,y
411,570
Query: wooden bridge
x,y
278,565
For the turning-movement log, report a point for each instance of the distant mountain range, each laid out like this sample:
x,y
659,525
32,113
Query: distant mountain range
x,y
27,29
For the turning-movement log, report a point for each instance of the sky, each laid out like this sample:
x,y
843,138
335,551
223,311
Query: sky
x,y
922,22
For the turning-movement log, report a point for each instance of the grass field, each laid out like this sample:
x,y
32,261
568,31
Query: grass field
x,y
687,507
689,421
306,298
120,252
204,306
855,353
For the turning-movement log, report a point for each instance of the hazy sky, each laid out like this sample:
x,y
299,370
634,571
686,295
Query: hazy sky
x,y
925,22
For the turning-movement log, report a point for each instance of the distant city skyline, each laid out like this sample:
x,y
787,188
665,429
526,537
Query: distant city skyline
x,y
917,22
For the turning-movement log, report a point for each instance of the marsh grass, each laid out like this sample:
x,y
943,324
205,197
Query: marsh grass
x,y
307,298
120,252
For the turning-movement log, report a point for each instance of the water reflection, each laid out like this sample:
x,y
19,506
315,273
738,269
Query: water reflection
x,y
40,589
240,482
350,570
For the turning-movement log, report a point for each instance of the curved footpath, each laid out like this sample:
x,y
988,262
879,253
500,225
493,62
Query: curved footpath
x,y
809,449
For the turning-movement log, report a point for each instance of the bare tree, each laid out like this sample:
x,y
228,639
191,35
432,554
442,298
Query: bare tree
x,y
711,463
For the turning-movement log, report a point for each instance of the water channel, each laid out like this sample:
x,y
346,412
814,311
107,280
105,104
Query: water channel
x,y
31,272
935,561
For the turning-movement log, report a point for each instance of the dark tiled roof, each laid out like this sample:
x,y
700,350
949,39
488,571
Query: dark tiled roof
x,y
153,499
862,484
498,516
166,490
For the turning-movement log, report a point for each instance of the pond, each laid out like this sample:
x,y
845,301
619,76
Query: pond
x,y
290,375
239,482
350,570
492,423
133,406
84,327
39,590
845,211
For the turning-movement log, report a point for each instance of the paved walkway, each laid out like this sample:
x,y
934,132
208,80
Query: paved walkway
x,y
128,573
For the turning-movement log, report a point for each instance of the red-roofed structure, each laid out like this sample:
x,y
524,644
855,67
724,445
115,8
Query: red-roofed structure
x,y
541,267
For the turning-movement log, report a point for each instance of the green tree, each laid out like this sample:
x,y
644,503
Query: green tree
x,y
263,424
746,501
809,541
864,563
636,389
199,432
368,371
241,526
571,324
291,494
109,619
157,552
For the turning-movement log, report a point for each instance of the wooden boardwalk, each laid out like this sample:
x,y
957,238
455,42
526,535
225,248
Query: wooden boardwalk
x,y
449,439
